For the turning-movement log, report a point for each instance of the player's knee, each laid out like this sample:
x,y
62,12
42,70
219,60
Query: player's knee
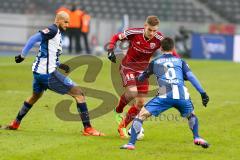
x,y
80,93
190,115
143,115
140,103
131,94
77,92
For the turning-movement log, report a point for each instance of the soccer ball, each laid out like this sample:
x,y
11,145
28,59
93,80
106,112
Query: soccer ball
x,y
139,136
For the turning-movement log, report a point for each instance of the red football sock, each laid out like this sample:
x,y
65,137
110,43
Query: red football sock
x,y
131,114
122,103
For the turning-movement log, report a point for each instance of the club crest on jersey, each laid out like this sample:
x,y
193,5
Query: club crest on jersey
x,y
46,30
152,45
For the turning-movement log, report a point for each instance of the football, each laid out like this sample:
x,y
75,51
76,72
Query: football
x,y
140,135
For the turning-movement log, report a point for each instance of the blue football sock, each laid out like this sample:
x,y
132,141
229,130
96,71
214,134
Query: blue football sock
x,y
83,112
23,111
193,124
136,128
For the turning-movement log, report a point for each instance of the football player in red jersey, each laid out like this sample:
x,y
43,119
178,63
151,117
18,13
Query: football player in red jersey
x,y
143,42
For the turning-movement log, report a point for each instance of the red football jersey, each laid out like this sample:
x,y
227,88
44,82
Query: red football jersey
x,y
140,50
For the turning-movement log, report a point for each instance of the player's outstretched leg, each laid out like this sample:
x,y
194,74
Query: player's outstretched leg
x,y
193,124
133,111
117,115
131,114
122,130
27,105
130,93
119,109
83,112
136,128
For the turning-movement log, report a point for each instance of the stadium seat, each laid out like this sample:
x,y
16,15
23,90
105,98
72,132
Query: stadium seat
x,y
168,10
227,9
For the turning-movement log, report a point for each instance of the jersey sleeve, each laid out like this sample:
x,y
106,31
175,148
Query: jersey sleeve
x,y
126,34
49,32
30,43
185,69
195,82
114,40
188,75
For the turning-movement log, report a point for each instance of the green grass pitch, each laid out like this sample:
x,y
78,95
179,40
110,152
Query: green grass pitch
x,y
43,135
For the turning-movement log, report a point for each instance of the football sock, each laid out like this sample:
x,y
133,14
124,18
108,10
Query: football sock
x,y
83,112
135,129
131,114
122,103
23,111
193,124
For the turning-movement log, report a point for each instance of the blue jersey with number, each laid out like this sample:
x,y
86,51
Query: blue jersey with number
x,y
170,73
50,49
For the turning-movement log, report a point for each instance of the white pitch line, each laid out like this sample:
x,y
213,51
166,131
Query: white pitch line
x,y
14,64
15,92
230,103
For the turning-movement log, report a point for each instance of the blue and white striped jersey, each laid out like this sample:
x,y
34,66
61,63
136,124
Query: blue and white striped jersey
x,y
170,73
50,49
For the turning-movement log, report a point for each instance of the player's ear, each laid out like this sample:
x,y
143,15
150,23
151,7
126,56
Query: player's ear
x,y
145,25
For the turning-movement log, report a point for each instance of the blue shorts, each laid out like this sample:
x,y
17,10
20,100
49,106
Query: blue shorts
x,y
55,81
158,105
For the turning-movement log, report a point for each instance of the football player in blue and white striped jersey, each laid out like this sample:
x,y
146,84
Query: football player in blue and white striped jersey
x,y
46,75
170,72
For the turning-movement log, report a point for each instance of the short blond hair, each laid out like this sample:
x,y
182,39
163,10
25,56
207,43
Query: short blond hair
x,y
153,21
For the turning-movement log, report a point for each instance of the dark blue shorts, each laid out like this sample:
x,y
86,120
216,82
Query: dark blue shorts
x,y
158,105
55,81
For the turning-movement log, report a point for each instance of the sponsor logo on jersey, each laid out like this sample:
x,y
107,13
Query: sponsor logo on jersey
x,y
45,31
152,45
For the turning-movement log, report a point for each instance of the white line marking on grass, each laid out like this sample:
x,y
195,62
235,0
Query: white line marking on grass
x,y
225,103
16,92
15,64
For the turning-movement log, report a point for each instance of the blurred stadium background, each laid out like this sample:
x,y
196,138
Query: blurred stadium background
x,y
179,19
202,30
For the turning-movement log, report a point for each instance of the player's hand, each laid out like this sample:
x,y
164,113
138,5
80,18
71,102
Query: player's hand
x,y
64,67
205,99
140,78
19,58
111,55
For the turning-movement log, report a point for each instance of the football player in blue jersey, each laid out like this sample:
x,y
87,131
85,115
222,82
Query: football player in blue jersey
x,y
46,75
170,72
